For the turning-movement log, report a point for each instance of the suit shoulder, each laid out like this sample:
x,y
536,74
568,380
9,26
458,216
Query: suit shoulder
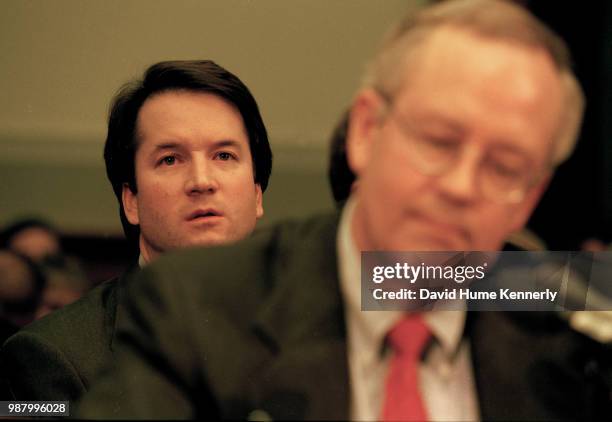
x,y
244,272
58,355
284,237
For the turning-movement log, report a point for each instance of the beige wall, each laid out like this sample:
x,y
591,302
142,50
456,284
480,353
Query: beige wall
x,y
62,60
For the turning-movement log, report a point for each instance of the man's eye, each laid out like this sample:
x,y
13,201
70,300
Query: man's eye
x,y
168,160
504,171
442,143
224,156
436,148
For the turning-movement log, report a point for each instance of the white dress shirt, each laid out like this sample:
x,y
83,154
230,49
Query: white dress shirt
x,y
445,374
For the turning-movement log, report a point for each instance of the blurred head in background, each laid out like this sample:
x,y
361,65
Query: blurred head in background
x,y
33,238
21,287
64,284
38,242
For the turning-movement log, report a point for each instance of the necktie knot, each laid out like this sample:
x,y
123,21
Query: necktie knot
x,y
409,336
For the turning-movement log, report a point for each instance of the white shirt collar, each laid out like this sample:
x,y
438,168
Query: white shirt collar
x,y
371,327
141,261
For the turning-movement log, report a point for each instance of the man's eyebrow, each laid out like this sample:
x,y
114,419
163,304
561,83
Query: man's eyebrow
x,y
440,122
226,143
165,146
506,147
223,143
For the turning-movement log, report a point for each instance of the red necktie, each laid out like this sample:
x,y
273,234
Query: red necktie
x,y
402,397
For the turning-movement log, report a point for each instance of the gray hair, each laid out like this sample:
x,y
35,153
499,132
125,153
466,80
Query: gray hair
x,y
496,19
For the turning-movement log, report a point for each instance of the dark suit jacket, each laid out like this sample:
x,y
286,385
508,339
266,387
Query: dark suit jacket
x,y
259,326
56,357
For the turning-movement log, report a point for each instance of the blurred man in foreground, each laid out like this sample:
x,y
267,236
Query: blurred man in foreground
x,y
463,116
188,157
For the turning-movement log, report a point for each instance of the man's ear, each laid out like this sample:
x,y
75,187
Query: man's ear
x,y
130,204
524,210
364,121
259,211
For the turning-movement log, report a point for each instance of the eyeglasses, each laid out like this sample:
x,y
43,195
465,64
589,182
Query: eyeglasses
x,y
505,175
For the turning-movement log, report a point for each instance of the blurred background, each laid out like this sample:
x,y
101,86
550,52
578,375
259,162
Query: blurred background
x,y
63,60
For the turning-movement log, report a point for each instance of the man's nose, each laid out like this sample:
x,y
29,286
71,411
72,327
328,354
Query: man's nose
x,y
201,177
460,182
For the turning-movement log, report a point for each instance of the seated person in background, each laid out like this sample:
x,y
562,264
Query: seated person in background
x,y
463,116
40,242
188,157
33,238
64,283
21,287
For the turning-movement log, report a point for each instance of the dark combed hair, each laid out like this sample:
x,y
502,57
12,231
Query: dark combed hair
x,y
191,75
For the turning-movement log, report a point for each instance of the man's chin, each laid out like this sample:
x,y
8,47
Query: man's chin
x,y
207,241
211,238
427,244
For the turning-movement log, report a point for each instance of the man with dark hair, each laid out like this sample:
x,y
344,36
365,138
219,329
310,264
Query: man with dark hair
x,y
188,157
462,118
125,137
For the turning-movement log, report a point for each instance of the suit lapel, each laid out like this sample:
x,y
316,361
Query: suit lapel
x,y
303,321
527,367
